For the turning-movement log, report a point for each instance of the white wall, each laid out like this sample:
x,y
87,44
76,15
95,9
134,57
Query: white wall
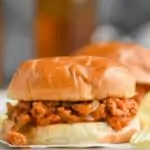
x,y
18,41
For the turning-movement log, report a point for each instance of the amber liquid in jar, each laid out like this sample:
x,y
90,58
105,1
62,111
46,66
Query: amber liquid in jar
x,y
61,26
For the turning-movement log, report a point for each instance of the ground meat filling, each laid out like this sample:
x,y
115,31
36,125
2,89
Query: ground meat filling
x,y
142,90
114,111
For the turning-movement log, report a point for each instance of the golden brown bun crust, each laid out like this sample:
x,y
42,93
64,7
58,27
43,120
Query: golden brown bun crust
x,y
134,57
71,78
80,133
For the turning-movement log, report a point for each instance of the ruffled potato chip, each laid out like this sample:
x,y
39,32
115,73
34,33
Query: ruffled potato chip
x,y
141,139
144,111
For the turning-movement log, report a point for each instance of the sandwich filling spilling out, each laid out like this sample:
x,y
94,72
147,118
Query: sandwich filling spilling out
x,y
116,112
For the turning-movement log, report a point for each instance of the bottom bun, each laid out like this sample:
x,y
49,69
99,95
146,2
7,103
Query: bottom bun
x,y
80,133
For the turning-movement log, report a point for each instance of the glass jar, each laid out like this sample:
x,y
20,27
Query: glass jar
x,y
62,26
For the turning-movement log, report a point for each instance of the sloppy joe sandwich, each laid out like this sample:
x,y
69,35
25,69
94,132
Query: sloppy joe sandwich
x,y
71,100
135,57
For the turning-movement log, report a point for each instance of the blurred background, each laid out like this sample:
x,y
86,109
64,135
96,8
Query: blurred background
x,y
44,28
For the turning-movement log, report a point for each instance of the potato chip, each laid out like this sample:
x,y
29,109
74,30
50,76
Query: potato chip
x,y
144,111
141,139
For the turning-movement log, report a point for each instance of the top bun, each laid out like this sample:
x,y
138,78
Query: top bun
x,y
71,78
135,57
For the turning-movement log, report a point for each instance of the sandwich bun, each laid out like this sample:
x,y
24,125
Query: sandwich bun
x,y
71,79
133,56
79,133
